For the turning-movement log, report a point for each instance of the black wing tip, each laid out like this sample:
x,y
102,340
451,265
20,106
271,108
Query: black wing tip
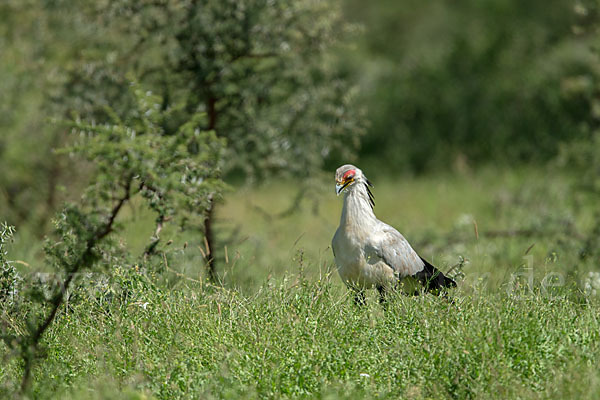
x,y
432,278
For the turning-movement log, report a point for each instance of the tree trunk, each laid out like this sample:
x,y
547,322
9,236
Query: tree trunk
x,y
210,240
210,211
52,176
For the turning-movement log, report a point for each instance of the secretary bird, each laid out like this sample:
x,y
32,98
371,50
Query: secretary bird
x,y
370,253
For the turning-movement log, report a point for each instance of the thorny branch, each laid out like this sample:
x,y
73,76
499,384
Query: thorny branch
x,y
57,300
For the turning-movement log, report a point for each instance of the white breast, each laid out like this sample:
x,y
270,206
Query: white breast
x,y
358,269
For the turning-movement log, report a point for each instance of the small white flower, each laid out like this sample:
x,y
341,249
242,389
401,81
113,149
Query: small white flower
x,y
363,375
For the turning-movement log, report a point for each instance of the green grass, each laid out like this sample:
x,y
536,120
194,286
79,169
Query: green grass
x,y
298,338
283,326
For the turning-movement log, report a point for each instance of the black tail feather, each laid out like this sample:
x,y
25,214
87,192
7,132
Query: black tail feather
x,y
432,278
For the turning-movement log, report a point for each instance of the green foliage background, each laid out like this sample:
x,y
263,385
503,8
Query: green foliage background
x,y
263,73
475,81
443,84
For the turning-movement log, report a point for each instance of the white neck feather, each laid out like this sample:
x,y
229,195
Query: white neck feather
x,y
357,208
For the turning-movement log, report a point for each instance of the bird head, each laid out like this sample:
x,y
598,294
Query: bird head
x,y
347,176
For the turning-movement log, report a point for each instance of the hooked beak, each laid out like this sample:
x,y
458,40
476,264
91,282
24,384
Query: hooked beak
x,y
340,187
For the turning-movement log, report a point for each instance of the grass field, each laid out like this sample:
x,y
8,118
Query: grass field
x,y
523,324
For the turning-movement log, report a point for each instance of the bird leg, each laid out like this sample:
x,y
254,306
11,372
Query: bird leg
x,y
382,295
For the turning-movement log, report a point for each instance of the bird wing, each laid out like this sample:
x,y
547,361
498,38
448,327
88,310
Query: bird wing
x,y
389,246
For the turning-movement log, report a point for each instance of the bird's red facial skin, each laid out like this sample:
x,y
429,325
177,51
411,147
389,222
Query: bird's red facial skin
x,y
349,174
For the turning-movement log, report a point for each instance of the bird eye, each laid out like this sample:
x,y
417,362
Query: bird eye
x,y
349,174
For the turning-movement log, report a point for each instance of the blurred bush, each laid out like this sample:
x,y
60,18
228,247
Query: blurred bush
x,y
464,83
